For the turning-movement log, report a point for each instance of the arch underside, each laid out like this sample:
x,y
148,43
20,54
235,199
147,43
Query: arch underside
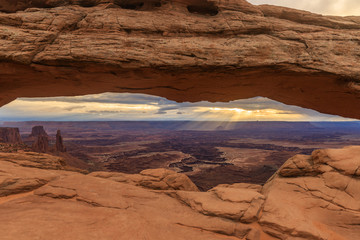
x,y
323,92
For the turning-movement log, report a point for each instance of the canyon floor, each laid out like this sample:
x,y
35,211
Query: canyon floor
x,y
209,153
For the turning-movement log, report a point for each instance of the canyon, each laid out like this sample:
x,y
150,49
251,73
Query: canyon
x,y
209,153
184,50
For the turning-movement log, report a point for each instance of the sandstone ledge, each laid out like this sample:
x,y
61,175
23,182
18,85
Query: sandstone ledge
x,y
310,197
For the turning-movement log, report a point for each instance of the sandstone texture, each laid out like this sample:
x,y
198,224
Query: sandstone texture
x,y
185,50
10,135
320,191
310,197
158,179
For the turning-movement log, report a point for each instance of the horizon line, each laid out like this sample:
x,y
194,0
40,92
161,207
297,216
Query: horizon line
x,y
174,120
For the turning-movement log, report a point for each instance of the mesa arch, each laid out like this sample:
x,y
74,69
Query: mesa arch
x,y
184,50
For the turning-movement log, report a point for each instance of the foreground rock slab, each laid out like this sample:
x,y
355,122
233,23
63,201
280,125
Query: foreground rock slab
x,y
157,179
310,197
315,197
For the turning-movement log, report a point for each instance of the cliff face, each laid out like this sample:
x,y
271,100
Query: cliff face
x,y
10,135
37,131
41,144
310,197
185,50
59,145
41,139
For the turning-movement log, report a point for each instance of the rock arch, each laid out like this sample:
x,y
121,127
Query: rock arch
x,y
288,55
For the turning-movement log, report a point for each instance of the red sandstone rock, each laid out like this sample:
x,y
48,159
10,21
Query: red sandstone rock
x,y
59,145
313,197
288,55
41,144
37,131
157,179
10,135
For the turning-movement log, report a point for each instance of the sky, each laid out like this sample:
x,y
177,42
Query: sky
x,y
142,107
326,7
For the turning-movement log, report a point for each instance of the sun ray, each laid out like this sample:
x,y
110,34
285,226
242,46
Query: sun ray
x,y
117,106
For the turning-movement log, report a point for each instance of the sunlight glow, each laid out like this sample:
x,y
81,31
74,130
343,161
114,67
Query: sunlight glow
x,y
142,107
240,114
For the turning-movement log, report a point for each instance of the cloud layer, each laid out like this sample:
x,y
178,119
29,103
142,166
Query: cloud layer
x,y
327,7
137,107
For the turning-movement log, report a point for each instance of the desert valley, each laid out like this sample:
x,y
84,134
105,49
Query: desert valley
x,y
245,180
179,119
209,153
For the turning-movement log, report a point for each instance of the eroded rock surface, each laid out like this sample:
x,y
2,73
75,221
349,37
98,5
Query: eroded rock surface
x,y
227,201
181,50
315,197
158,179
23,172
45,202
310,197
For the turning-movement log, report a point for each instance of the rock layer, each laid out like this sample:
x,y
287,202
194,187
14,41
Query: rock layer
x,y
181,50
310,197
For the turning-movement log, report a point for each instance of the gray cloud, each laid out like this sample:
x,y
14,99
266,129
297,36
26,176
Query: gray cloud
x,y
73,108
103,112
82,108
163,104
160,112
126,98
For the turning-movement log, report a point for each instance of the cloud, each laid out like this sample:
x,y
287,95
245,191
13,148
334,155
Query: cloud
x,y
125,106
73,108
104,112
327,7
160,112
125,98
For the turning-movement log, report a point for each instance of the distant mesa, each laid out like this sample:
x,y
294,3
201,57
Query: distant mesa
x,y
41,141
37,131
10,135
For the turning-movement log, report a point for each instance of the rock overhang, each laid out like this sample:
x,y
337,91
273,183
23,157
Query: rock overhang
x,y
169,50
